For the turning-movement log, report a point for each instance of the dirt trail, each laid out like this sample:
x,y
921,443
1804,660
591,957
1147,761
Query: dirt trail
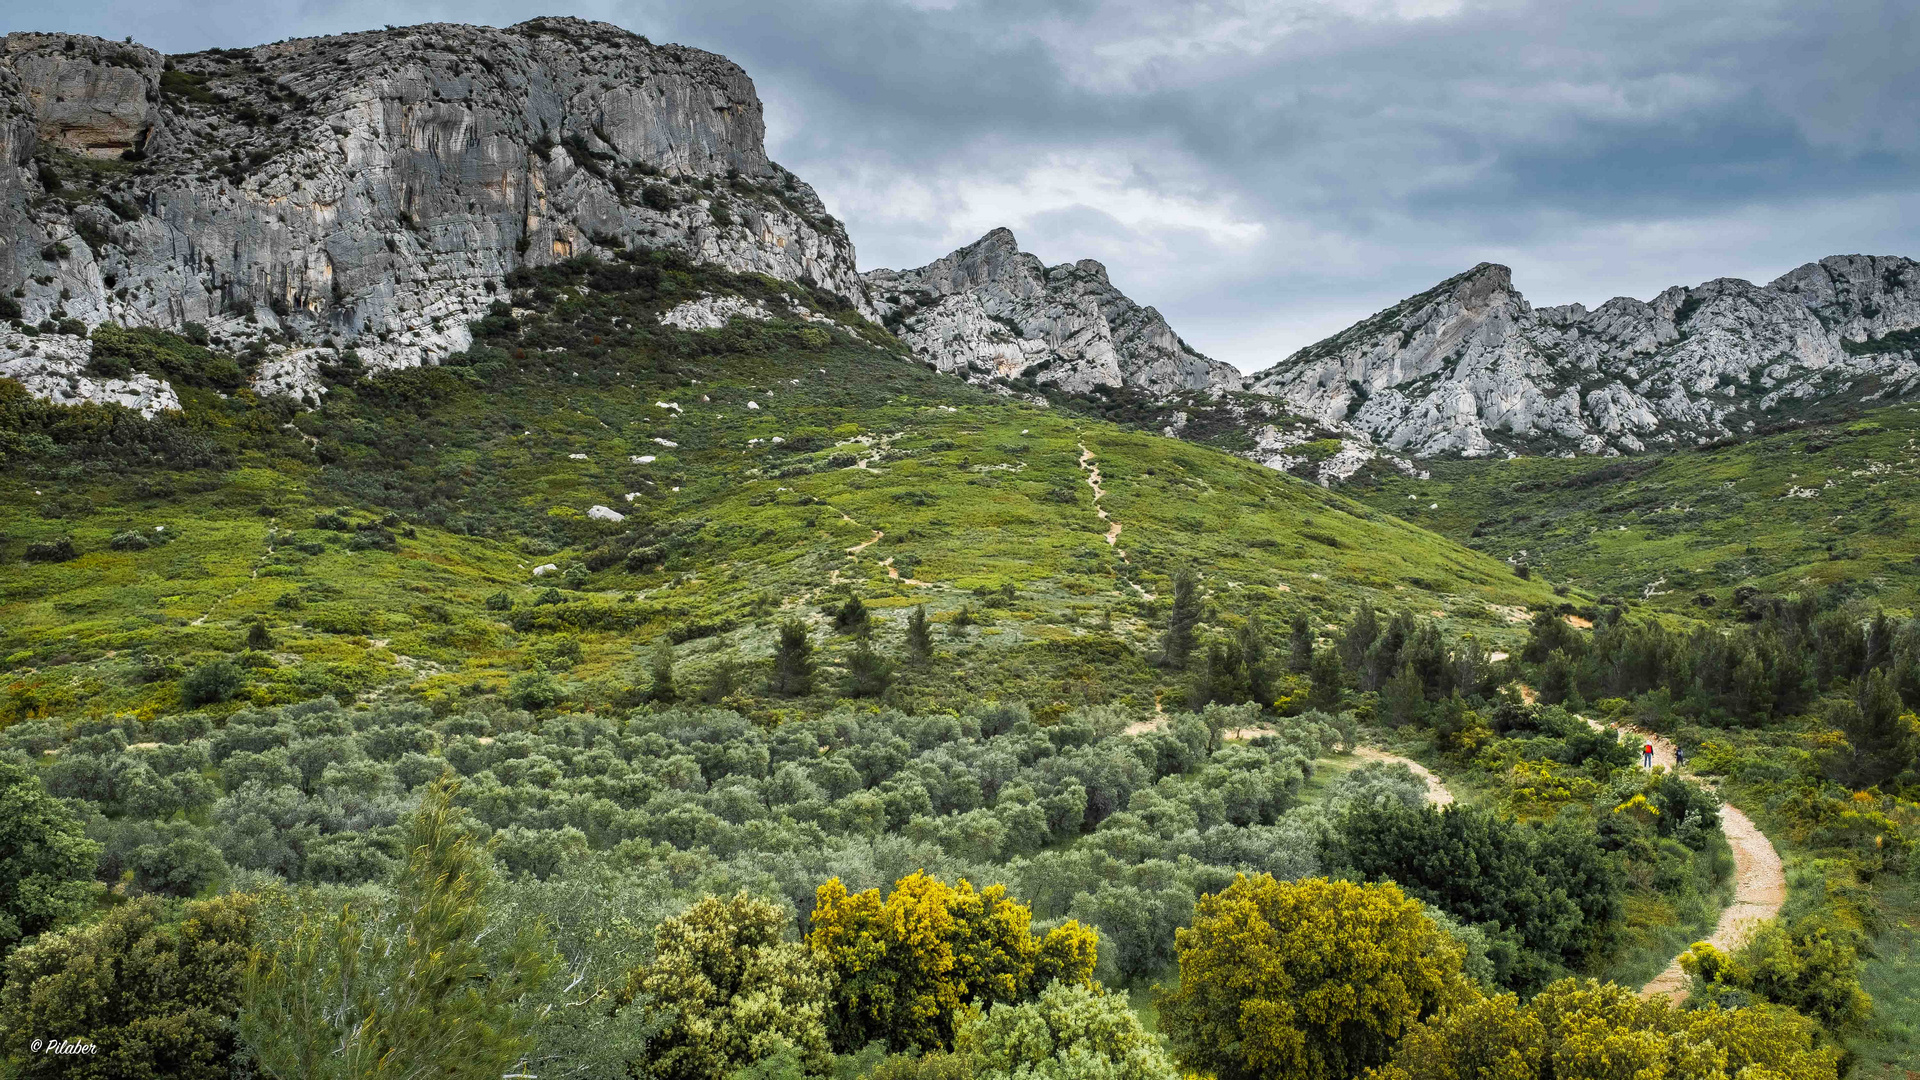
x,y
252,575
1760,879
1092,467
1437,792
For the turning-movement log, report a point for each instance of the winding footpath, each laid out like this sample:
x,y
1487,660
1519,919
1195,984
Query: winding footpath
x,y
1437,793
1093,481
1760,879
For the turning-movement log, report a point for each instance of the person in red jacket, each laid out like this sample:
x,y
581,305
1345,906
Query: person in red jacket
x,y
1646,755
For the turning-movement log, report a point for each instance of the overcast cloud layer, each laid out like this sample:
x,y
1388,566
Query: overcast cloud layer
x,y
1267,173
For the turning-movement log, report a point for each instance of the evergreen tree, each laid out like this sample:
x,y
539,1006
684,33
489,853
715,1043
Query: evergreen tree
x,y
722,680
257,636
1402,698
1359,638
1300,646
792,661
852,617
420,989
661,690
868,673
919,635
1328,680
1881,735
1177,647
1256,660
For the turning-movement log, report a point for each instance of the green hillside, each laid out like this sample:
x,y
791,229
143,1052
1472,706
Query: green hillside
x,y
387,541
1825,509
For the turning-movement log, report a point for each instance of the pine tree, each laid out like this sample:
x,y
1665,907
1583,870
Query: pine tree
x,y
1256,661
258,638
662,691
1359,638
1881,734
793,661
868,673
1328,681
417,990
919,635
1402,698
1178,645
1300,646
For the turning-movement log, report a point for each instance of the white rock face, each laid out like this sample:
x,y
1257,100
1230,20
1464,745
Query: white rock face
x,y
1470,367
53,366
991,310
376,188
605,513
714,312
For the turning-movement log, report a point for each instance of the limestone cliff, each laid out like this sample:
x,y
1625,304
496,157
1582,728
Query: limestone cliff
x,y
372,190
1470,367
990,310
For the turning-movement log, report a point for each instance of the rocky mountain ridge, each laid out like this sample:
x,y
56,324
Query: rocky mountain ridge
x,y
372,190
1470,367
990,310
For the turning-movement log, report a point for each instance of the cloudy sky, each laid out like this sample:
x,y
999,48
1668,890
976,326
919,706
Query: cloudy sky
x,y
1266,173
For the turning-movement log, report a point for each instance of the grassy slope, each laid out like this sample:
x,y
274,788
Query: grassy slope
x,y
1695,523
973,493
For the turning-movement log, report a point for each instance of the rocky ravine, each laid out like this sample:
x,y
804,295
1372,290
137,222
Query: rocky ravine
x,y
1470,367
371,190
990,310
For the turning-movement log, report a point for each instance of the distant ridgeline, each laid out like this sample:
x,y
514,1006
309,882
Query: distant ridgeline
x,y
373,191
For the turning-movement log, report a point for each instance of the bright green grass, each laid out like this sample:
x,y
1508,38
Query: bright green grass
x,y
1669,530
1892,975
494,467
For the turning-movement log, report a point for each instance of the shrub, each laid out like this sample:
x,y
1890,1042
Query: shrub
x,y
59,549
1069,1032
727,990
904,965
1313,979
156,996
212,682
46,877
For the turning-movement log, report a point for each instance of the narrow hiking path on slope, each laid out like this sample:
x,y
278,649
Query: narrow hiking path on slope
x,y
1092,467
253,575
1760,878
1437,793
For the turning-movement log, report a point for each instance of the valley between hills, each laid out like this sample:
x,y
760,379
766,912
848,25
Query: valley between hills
x,y
492,589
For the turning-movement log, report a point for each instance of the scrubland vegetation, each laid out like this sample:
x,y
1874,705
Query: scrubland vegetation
x,y
354,740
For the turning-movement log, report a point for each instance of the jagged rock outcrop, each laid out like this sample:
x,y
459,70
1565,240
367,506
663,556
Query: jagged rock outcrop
x,y
990,310
1470,367
372,190
54,367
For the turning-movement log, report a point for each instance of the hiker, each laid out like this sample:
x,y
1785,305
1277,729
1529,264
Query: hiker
x,y
1679,756
1646,756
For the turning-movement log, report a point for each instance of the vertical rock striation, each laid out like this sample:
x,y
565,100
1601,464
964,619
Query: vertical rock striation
x,y
374,189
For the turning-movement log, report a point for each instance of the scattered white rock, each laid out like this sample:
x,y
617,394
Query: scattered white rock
x,y
605,513
642,459
674,405
632,495
714,312
544,569
668,443
576,457
52,367
753,405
